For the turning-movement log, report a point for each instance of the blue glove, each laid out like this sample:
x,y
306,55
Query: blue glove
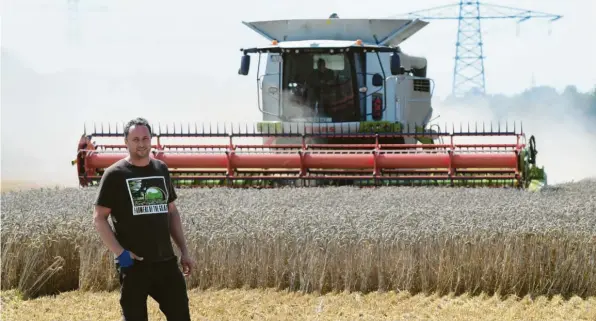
x,y
124,259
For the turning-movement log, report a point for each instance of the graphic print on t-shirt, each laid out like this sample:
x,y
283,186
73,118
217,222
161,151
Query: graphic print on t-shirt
x,y
148,195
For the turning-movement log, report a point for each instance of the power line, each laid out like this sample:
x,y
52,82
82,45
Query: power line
x,y
468,73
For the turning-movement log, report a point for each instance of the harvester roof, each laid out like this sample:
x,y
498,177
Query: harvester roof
x,y
383,32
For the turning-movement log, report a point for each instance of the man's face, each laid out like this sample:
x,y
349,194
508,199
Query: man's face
x,y
322,66
138,141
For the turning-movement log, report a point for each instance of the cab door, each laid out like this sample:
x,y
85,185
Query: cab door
x,y
271,93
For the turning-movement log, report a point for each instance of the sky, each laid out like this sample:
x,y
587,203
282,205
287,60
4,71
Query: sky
x,y
177,61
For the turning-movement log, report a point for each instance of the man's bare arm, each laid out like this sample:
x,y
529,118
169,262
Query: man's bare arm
x,y
176,228
100,220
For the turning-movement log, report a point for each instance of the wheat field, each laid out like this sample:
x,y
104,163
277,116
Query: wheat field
x,y
332,253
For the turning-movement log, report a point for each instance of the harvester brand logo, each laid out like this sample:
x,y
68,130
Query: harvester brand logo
x,y
148,195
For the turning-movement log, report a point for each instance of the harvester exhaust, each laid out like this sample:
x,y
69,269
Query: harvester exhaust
x,y
326,154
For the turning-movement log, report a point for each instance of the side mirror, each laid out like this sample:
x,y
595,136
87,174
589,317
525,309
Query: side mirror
x,y
395,64
377,80
244,65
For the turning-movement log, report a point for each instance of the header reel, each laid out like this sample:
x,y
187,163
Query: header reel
x,y
299,154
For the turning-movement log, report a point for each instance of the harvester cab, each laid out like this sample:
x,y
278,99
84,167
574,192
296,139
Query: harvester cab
x,y
340,76
340,102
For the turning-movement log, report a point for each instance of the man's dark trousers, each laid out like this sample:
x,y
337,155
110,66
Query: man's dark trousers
x,y
163,281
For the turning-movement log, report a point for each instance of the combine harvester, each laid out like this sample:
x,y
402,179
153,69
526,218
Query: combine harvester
x,y
341,104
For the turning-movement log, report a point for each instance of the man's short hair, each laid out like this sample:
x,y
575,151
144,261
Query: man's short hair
x,y
139,121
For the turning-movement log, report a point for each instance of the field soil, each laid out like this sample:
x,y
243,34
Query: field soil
x,y
281,305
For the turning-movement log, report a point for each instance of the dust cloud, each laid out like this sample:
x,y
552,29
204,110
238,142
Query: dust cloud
x,y
564,133
44,115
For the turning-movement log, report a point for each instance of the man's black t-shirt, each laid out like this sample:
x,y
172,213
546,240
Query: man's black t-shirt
x,y
138,198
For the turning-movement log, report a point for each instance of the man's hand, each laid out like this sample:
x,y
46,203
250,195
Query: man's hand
x,y
125,259
187,264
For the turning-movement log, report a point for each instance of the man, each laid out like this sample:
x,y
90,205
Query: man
x,y
138,194
322,75
318,83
